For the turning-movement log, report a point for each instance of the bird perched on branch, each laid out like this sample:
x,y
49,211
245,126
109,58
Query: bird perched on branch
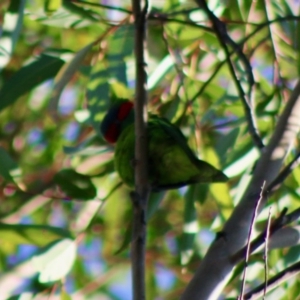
x,y
171,162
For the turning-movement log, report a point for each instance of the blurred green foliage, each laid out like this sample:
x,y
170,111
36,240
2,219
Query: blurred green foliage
x,y
61,63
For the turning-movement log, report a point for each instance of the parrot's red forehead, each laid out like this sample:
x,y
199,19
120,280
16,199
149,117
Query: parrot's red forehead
x,y
124,110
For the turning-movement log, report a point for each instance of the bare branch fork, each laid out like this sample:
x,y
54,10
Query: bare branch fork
x,y
140,197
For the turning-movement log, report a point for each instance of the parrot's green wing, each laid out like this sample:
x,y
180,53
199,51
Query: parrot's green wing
x,y
173,132
172,163
175,163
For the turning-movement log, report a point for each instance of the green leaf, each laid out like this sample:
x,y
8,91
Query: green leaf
x,y
65,74
241,158
227,142
52,6
86,150
293,254
158,74
153,203
64,295
9,169
109,70
126,239
98,94
63,13
190,226
28,77
10,32
56,261
233,9
38,235
84,14
75,185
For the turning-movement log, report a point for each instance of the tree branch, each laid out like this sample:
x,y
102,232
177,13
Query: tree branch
x,y
274,281
248,248
216,267
140,197
260,240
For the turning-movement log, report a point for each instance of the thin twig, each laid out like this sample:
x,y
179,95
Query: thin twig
x,y
253,33
266,251
224,39
282,220
177,64
110,7
274,281
248,246
273,45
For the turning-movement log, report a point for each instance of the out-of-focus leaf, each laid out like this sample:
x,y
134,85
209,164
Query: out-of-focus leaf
x,y
223,198
262,107
241,187
154,202
64,295
116,208
126,239
67,15
190,226
151,282
235,6
160,71
173,110
184,35
28,77
9,169
112,68
75,185
199,192
56,261
226,142
85,14
84,150
287,68
293,254
119,90
243,8
98,94
38,235
11,28
240,159
82,115
65,74
52,6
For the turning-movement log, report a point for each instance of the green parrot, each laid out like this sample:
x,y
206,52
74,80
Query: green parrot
x,y
172,164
